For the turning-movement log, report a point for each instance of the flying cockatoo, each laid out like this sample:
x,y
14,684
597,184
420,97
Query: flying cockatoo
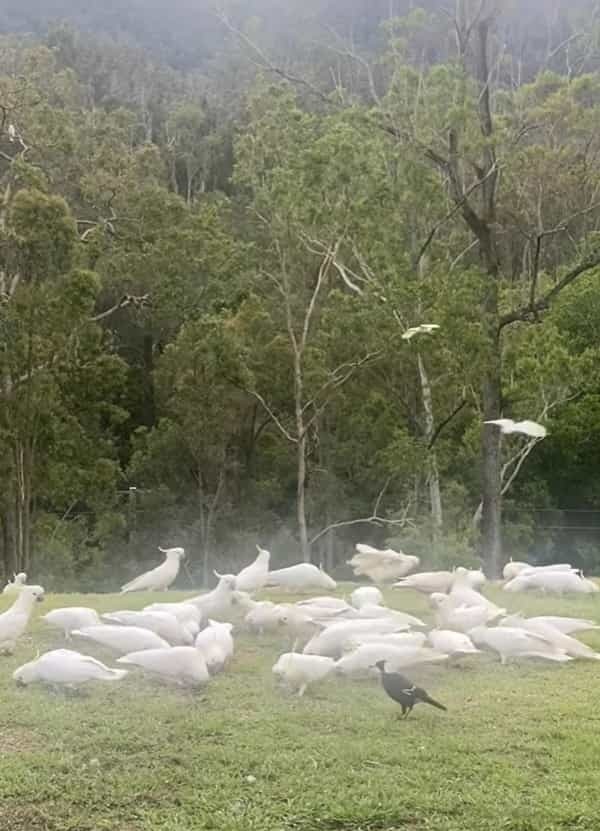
x,y
65,667
183,665
13,622
527,428
159,578
422,329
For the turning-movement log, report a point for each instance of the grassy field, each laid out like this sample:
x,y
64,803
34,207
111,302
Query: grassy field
x,y
518,749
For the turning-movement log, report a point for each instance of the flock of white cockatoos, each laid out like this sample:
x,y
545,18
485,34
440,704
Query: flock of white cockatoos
x,y
187,642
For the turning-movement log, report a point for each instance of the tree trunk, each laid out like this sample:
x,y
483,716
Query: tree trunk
x,y
301,499
491,397
433,476
148,403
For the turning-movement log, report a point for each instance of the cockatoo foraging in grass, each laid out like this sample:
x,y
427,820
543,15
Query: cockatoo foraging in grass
x,y
567,625
513,568
455,644
361,661
159,578
218,602
16,584
513,642
182,665
526,428
301,577
381,565
72,617
122,639
427,582
422,329
570,645
215,642
252,578
298,671
366,595
63,667
164,624
13,622
185,613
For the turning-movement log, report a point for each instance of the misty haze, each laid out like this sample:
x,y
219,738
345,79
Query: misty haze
x,y
299,415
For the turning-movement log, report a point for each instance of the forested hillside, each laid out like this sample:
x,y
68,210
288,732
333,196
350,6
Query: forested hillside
x,y
215,227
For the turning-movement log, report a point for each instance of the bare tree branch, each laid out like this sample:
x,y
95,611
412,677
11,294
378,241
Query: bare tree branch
x,y
286,433
542,304
373,519
267,64
444,423
139,301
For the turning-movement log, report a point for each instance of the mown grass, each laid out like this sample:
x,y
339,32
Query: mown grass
x,y
517,750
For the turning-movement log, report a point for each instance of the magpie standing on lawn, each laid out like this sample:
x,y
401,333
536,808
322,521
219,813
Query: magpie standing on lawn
x,y
404,691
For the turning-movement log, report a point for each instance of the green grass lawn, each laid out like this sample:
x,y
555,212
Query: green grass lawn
x,y
518,749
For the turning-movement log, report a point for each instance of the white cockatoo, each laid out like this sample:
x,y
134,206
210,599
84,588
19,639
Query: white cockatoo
x,y
159,578
366,595
330,641
402,639
216,604
254,577
122,639
452,643
325,602
427,582
65,667
371,611
14,621
163,624
381,565
300,578
526,428
513,568
567,625
453,613
184,612
12,132
298,670
215,642
264,617
553,581
362,660
69,618
16,584
421,329
513,642
182,665
570,645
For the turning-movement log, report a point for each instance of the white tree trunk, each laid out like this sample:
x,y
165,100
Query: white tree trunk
x,y
433,476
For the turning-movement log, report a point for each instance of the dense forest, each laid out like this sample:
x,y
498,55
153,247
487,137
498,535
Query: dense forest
x,y
217,222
